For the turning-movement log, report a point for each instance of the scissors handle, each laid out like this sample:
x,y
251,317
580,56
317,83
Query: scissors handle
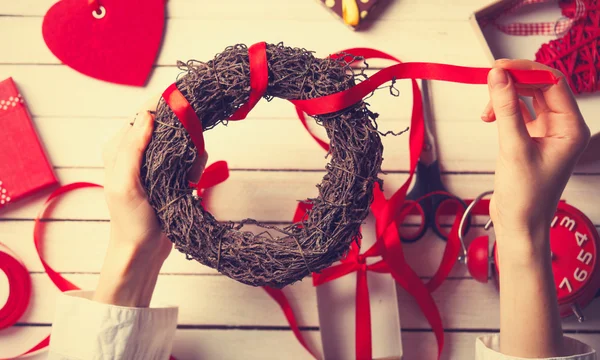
x,y
431,197
439,202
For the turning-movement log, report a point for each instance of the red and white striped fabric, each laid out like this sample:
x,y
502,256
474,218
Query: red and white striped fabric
x,y
556,28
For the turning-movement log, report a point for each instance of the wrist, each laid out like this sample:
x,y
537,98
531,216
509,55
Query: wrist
x,y
523,249
128,275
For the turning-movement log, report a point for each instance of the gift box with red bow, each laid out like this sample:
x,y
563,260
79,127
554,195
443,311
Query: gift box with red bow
x,y
24,167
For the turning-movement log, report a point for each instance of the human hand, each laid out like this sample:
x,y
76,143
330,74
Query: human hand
x,y
537,154
137,246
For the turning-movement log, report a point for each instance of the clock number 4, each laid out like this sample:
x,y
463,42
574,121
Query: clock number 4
x,y
581,238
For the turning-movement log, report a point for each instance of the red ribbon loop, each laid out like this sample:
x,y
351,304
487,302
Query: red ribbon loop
x,y
186,115
19,288
259,79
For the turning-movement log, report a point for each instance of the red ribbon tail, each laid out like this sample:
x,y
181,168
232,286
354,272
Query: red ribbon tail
x,y
364,347
283,302
450,256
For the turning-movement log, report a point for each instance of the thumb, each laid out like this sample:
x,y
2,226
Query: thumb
x,y
505,102
131,152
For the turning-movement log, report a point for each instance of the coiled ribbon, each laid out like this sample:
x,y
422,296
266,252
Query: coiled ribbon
x,y
18,276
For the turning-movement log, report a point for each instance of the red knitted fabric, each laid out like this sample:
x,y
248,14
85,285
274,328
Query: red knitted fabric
x,y
576,53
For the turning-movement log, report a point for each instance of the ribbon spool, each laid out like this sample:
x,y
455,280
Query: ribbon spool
x,y
19,285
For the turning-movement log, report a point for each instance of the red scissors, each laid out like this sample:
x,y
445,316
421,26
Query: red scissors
x,y
429,195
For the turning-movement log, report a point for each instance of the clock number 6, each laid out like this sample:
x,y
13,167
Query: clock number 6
x,y
580,275
585,257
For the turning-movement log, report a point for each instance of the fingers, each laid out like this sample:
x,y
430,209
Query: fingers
x,y
527,118
539,103
539,106
198,168
111,148
507,109
558,97
131,151
488,113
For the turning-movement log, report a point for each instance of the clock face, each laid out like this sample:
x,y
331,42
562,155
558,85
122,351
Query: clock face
x,y
573,242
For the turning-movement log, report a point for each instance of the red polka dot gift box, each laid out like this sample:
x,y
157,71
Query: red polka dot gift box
x,y
24,167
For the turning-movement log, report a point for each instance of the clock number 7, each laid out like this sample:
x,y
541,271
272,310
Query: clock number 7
x,y
565,282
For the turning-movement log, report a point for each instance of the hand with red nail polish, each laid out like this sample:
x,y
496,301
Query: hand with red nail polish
x,y
537,155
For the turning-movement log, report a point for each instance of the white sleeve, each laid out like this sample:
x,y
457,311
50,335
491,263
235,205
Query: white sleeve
x,y
488,348
85,329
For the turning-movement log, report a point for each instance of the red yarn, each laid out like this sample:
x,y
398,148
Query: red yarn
x,y
576,53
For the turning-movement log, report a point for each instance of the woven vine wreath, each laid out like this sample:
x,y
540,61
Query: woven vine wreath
x,y
215,90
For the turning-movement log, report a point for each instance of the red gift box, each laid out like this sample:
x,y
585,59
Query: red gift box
x,y
24,167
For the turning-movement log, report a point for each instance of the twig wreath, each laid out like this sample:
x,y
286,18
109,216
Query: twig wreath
x,y
215,90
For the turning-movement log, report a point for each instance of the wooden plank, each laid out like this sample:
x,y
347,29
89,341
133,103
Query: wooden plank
x,y
59,96
203,300
260,10
65,93
271,196
217,301
460,345
266,344
81,250
192,343
459,150
454,42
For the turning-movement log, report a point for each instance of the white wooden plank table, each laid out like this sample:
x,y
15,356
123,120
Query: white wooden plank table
x,y
219,318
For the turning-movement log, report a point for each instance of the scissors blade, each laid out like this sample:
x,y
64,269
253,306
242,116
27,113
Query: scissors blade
x,y
429,154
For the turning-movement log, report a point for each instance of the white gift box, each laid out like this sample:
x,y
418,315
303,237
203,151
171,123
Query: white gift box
x,y
336,302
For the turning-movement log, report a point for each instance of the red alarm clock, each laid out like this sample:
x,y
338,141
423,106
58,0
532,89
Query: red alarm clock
x,y
574,246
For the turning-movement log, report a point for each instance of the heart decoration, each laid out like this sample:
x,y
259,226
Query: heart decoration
x,y
111,40
576,54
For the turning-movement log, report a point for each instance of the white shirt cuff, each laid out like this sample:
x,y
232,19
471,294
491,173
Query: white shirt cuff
x,y
85,329
488,348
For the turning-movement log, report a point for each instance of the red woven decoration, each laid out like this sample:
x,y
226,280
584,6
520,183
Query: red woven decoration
x,y
576,54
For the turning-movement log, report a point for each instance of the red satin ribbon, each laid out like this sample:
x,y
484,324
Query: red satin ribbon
x,y
19,288
259,79
430,71
213,175
279,297
186,115
181,107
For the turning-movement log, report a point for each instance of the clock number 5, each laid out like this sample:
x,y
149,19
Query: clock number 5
x,y
585,257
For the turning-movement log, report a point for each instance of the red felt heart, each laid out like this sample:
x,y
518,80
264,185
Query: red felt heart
x,y
110,40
